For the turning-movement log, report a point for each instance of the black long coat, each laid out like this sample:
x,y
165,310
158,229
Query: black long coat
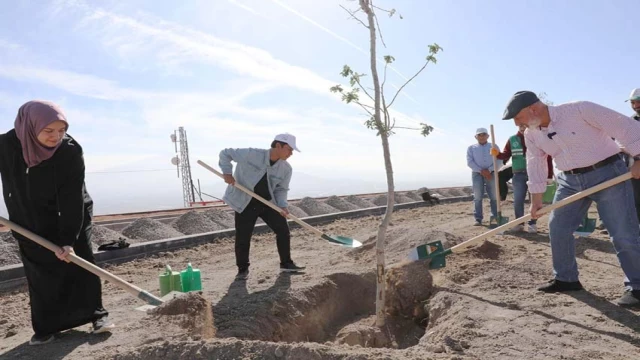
x,y
51,200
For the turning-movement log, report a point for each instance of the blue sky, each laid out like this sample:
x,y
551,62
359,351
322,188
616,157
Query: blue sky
x,y
235,73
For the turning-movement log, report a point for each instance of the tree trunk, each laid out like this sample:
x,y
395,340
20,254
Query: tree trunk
x,y
365,5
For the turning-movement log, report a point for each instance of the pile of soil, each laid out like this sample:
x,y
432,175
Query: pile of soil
x,y
488,250
224,218
102,235
401,198
380,200
413,195
150,229
341,204
360,202
468,190
314,207
9,252
192,311
297,212
194,222
409,285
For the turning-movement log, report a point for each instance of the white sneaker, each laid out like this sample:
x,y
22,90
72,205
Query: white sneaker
x,y
532,229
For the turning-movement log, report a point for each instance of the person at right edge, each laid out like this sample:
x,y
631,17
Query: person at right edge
x,y
516,149
578,136
267,173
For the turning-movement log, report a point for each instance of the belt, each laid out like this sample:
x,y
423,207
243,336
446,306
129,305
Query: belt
x,y
599,164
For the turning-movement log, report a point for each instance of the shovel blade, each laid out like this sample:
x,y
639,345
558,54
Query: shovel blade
x,y
433,251
496,221
170,296
587,227
342,240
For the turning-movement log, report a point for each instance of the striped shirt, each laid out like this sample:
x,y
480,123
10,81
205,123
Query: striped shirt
x,y
580,134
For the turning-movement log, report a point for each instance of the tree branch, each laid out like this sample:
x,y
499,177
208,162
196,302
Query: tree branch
x,y
408,81
362,87
353,15
379,30
365,107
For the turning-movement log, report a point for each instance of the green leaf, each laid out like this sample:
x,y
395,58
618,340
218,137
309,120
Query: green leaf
x,y
389,59
346,71
425,129
335,89
391,12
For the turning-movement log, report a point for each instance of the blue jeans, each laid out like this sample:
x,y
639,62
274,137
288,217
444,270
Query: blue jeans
x,y
479,185
520,189
617,209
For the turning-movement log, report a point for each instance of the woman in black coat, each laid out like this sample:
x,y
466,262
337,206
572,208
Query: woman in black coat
x,y
43,172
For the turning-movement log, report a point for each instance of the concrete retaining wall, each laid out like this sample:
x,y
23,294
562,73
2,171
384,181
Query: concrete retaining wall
x,y
13,275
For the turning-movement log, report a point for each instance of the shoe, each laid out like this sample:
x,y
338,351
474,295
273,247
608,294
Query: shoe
x,y
532,229
102,325
600,226
291,267
560,286
630,298
40,340
243,274
478,223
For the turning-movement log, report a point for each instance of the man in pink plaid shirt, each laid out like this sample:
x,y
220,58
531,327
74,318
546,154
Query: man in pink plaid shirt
x,y
578,136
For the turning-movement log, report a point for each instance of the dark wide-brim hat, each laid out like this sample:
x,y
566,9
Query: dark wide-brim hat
x,y
519,101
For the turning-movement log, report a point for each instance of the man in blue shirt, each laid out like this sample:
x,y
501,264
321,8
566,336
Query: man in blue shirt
x,y
267,173
480,161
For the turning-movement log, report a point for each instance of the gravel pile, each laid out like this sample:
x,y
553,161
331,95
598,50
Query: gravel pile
x,y
413,195
422,189
9,252
401,199
194,222
380,200
360,202
340,204
224,218
102,235
297,212
314,207
149,229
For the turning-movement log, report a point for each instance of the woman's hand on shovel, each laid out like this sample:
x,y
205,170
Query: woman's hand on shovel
x,y
64,252
536,204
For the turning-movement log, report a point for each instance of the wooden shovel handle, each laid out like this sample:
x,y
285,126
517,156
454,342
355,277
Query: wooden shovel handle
x,y
263,200
496,186
566,201
103,274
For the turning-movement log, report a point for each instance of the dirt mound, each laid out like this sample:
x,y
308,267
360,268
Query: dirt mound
x,y
224,218
409,285
415,196
314,207
9,252
401,199
149,229
102,235
468,190
341,204
194,222
380,200
191,310
488,250
360,202
297,212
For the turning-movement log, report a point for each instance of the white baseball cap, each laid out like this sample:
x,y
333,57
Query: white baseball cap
x,y
481,131
287,139
635,95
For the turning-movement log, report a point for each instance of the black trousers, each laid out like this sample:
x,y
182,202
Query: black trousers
x,y
503,177
245,223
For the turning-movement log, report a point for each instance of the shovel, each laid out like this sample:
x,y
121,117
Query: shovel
x,y
499,220
143,295
334,239
436,252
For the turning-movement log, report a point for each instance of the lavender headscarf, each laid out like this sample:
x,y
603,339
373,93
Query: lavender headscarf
x,y
32,118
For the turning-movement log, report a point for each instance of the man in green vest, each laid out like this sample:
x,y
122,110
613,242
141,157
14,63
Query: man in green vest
x,y
516,149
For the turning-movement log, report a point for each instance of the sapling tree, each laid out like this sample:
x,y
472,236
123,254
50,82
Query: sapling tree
x,y
380,120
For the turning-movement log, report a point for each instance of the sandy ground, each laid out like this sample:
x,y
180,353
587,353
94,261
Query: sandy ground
x,y
482,305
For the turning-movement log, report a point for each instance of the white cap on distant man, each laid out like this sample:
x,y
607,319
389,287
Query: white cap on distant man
x,y
287,139
481,131
635,95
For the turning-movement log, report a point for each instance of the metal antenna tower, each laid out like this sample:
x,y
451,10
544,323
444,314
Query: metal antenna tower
x,y
181,160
